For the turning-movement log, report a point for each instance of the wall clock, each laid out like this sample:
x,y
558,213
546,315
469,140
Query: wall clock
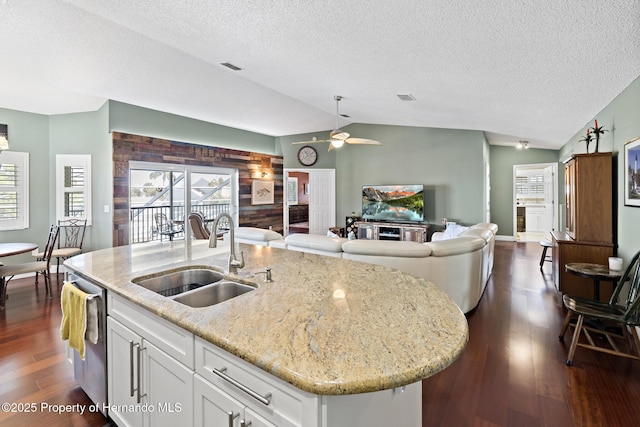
x,y
307,155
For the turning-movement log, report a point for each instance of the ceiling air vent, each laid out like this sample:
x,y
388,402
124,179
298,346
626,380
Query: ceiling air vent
x,y
231,66
407,97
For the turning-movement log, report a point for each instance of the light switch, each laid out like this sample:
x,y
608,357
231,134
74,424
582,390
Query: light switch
x,y
106,208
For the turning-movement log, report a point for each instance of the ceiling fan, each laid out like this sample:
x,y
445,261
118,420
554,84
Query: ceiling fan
x,y
338,137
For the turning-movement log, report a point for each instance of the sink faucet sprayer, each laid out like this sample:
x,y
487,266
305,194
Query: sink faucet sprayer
x,y
234,263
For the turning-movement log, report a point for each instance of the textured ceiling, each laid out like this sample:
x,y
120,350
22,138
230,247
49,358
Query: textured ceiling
x,y
535,70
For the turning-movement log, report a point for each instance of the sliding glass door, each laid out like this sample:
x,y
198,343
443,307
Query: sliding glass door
x,y
163,195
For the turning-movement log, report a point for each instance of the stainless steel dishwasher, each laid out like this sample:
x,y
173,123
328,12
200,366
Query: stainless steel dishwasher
x,y
91,373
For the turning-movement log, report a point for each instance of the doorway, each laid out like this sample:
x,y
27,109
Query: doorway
x,y
535,195
161,197
310,197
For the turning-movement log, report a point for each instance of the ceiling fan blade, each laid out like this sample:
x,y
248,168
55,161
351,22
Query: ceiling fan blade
x,y
362,141
310,142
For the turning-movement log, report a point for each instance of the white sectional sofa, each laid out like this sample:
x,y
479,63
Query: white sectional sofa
x,y
461,265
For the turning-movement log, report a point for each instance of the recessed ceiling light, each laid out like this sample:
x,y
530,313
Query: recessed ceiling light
x,y
407,97
230,66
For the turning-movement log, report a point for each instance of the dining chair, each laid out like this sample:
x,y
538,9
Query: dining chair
x,y
7,272
70,242
614,320
196,221
166,227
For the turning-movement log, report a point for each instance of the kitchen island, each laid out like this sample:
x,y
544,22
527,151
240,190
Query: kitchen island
x,y
329,327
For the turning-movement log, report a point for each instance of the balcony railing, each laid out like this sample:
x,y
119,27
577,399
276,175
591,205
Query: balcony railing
x,y
143,225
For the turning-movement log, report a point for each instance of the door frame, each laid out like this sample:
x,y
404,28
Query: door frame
x,y
285,210
555,205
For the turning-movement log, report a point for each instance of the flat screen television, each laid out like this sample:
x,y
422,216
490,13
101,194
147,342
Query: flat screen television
x,y
393,203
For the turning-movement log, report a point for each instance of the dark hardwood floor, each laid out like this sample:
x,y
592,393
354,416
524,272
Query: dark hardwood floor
x,y
33,368
512,372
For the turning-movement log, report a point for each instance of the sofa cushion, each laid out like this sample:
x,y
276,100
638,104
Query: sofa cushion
x,y
386,248
258,234
489,225
315,241
483,233
278,243
456,246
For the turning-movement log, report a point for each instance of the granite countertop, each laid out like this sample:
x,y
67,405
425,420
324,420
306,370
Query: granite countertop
x,y
325,325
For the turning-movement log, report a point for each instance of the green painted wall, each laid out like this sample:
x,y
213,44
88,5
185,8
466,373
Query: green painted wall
x,y
326,158
129,118
503,158
30,133
86,133
621,118
450,163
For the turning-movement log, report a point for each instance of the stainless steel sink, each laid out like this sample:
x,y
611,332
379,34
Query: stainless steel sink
x,y
176,282
213,294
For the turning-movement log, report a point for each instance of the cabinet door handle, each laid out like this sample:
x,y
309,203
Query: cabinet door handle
x,y
265,400
139,362
132,388
232,417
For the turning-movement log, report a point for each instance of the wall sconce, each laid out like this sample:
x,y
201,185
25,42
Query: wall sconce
x,y
522,145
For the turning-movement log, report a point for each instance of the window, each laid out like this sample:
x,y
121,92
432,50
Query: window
x,y
14,190
530,185
73,186
175,191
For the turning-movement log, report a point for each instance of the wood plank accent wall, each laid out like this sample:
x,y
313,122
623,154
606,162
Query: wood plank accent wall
x,y
249,165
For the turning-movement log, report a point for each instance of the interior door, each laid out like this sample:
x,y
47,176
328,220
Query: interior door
x,y
322,200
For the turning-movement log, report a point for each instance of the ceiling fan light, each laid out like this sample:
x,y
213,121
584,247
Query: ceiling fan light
x,y
339,134
337,143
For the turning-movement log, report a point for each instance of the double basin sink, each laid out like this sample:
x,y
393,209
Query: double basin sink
x,y
195,287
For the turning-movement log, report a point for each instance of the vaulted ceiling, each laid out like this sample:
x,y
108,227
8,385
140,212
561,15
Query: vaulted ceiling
x,y
535,70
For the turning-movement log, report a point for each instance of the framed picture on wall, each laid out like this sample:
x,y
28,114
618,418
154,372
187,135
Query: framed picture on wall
x,y
262,192
631,173
292,191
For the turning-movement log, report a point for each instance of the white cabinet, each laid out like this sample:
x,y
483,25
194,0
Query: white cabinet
x,y
265,400
214,407
161,375
168,387
245,387
538,218
122,374
146,385
390,231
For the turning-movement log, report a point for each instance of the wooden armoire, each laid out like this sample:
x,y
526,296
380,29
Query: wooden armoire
x,y
589,230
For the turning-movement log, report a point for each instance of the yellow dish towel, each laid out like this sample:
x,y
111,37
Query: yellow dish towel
x,y
74,317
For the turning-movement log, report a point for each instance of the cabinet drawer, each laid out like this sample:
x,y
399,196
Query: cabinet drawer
x,y
171,339
287,406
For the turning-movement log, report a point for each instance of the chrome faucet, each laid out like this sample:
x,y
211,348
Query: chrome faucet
x,y
234,263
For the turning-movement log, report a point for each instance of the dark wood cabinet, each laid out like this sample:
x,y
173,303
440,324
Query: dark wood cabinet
x,y
588,235
589,198
566,250
298,213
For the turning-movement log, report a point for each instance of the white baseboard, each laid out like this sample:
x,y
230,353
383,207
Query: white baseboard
x,y
505,238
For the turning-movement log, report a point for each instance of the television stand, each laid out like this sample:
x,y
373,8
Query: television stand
x,y
393,231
